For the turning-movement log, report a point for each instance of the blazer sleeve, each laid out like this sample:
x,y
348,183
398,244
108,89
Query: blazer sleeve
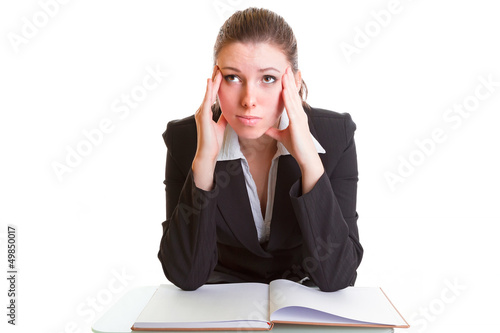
x,y
328,220
188,251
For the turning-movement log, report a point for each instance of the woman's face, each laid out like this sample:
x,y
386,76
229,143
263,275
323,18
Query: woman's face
x,y
250,92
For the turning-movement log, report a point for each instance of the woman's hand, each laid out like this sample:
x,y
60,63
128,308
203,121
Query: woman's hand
x,y
296,137
210,135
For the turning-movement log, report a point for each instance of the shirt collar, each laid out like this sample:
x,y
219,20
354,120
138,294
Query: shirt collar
x,y
230,149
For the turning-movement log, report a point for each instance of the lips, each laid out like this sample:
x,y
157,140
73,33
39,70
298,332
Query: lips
x,y
249,120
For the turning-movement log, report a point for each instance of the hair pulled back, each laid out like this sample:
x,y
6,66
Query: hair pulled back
x,y
259,25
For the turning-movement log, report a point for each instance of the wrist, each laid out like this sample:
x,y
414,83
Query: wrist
x,y
309,162
203,173
311,171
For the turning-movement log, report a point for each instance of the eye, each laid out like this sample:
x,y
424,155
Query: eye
x,y
268,79
232,78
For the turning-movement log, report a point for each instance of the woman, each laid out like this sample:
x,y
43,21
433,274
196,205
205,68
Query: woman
x,y
260,186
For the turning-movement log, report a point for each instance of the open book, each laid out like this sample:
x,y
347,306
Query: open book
x,y
257,306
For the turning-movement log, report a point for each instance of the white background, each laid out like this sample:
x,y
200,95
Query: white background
x,y
75,234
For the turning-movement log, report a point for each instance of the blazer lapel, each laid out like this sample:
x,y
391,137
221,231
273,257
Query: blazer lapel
x,y
234,205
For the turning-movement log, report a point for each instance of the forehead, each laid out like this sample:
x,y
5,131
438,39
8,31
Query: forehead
x,y
252,56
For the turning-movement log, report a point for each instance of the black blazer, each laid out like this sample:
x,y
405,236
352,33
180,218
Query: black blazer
x,y
210,236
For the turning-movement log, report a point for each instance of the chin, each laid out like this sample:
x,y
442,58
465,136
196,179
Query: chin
x,y
249,133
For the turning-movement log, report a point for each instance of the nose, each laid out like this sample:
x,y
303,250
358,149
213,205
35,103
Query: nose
x,y
249,98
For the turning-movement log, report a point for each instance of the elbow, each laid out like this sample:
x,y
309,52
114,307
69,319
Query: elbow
x,y
185,285
188,281
334,286
184,278
338,283
345,275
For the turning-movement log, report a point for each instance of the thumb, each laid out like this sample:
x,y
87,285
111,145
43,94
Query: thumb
x,y
274,133
221,122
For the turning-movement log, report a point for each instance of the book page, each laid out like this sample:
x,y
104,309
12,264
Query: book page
x,y
352,305
239,305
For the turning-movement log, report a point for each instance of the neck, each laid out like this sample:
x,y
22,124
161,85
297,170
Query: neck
x,y
264,146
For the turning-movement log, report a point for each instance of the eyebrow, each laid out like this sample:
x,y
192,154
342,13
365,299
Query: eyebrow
x,y
260,70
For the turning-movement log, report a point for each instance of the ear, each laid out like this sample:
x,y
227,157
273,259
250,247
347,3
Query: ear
x,y
298,79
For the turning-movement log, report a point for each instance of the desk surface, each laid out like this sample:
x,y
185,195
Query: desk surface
x,y
121,316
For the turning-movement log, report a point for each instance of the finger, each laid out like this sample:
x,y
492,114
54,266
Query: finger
x,y
291,84
214,72
288,94
291,98
202,105
286,85
206,104
221,124
216,85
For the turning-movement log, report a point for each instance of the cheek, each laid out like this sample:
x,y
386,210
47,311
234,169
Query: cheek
x,y
227,96
222,94
279,103
272,102
273,97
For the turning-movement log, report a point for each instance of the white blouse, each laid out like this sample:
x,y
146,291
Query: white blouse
x,y
230,150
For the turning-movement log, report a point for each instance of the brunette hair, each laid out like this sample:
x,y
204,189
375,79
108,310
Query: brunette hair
x,y
255,25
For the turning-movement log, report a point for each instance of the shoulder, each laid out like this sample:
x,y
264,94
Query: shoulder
x,y
180,131
180,138
331,124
